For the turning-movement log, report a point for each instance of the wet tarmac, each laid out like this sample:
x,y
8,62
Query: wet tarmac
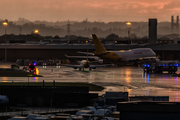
x,y
130,79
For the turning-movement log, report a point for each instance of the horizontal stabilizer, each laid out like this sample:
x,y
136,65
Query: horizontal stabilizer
x,y
83,57
99,66
85,53
73,66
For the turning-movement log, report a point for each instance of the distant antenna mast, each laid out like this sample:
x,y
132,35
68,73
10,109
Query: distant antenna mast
x,y
20,29
68,29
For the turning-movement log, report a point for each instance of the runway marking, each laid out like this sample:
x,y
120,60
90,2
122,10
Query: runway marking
x,y
111,76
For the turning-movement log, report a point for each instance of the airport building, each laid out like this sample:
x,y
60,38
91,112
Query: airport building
x,y
50,51
137,110
152,31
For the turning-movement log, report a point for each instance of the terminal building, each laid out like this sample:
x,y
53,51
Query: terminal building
x,y
50,51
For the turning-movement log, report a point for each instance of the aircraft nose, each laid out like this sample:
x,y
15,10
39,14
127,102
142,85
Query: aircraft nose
x,y
153,53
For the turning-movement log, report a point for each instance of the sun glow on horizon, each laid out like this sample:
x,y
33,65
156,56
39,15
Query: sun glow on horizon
x,y
103,10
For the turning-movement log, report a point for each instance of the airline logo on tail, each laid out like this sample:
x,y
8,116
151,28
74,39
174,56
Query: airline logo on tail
x,y
99,48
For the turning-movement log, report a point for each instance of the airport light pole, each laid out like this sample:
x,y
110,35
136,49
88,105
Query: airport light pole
x,y
129,24
36,31
5,24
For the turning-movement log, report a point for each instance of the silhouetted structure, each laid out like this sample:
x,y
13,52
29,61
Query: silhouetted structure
x,y
174,24
68,29
84,28
20,29
148,110
152,31
62,96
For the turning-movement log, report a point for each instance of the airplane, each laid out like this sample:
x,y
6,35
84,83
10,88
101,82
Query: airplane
x,y
121,55
93,59
85,64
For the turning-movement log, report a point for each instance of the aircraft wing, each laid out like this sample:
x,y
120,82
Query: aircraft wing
x,y
144,58
98,66
83,57
85,53
73,66
148,57
140,58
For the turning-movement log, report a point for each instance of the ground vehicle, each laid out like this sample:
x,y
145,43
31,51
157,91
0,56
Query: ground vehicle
x,y
32,67
14,66
25,68
161,66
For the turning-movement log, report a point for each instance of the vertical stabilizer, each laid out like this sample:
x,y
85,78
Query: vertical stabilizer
x,y
99,48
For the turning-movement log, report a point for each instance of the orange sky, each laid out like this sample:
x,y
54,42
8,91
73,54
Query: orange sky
x,y
94,10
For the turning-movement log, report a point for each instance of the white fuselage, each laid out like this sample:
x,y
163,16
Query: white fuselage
x,y
128,55
84,63
135,54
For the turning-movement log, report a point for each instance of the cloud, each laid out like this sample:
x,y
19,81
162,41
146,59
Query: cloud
x,y
108,10
173,4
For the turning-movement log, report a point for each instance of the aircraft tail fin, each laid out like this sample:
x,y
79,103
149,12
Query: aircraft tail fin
x,y
99,48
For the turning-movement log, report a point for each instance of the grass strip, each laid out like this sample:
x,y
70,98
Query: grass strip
x,y
92,87
11,73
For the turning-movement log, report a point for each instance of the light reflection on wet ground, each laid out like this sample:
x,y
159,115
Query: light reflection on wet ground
x,y
130,79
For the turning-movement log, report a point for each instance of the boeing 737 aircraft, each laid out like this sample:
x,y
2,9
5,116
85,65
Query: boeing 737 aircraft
x,y
93,59
85,64
122,55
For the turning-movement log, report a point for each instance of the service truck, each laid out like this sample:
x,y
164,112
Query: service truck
x,y
160,66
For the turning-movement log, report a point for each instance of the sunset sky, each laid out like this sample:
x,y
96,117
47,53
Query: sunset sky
x,y
94,10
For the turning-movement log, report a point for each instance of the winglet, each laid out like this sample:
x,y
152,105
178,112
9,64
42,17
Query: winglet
x,y
66,55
